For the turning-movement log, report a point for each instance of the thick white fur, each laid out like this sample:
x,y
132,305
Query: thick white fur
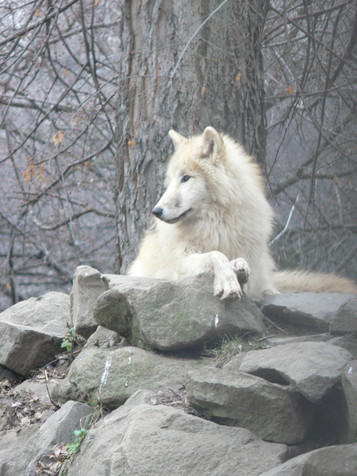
x,y
218,214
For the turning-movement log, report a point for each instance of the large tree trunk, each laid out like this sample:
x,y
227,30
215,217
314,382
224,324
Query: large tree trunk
x,y
184,65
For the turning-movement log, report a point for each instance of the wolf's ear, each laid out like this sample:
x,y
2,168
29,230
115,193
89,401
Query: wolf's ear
x,y
176,138
212,143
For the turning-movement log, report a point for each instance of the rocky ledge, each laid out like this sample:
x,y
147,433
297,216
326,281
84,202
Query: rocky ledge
x,y
165,379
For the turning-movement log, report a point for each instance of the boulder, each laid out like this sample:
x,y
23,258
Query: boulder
x,y
308,312
274,412
338,460
112,375
102,337
31,332
345,319
313,368
12,377
348,342
87,287
157,440
39,390
349,386
58,428
12,443
174,315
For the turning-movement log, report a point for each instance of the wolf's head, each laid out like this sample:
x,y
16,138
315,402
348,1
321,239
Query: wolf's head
x,y
189,176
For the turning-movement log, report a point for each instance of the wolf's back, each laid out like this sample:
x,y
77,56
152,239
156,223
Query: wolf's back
x,y
307,281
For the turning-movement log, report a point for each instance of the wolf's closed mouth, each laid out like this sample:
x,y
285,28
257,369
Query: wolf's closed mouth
x,y
174,220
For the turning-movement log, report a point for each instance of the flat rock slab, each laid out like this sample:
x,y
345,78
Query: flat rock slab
x,y
31,332
304,311
338,460
273,412
159,440
313,368
112,375
173,315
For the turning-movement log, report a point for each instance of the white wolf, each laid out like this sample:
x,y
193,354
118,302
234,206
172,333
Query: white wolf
x,y
214,217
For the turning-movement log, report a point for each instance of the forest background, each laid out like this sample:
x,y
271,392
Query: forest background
x,y
90,88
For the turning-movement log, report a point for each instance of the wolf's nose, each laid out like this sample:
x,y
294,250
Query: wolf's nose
x,y
157,211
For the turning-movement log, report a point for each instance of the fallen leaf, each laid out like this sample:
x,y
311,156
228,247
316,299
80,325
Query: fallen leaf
x,y
58,137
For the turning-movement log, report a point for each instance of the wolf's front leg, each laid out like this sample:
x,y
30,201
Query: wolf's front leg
x,y
226,285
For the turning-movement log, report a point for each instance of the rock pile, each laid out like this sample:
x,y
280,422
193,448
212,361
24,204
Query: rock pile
x,y
149,396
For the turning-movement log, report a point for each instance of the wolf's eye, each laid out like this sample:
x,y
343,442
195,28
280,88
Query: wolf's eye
x,y
185,178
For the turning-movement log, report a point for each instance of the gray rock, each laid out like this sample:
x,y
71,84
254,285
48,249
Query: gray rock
x,y
31,332
6,374
174,315
309,312
11,445
345,319
348,342
147,440
142,397
272,411
128,282
313,368
292,339
113,375
330,461
58,428
102,337
39,390
113,312
87,287
349,386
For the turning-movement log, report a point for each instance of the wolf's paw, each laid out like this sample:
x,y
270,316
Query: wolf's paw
x,y
241,268
227,287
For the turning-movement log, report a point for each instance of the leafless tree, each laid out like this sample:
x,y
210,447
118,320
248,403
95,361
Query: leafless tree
x,y
58,106
310,65
185,65
90,88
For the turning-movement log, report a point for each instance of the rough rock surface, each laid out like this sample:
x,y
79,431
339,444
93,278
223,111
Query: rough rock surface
x,y
299,390
345,319
87,287
157,440
273,412
57,429
313,368
331,461
112,375
178,315
31,332
308,312
349,385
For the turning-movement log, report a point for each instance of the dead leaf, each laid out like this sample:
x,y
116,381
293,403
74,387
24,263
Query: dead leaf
x,y
58,138
335,180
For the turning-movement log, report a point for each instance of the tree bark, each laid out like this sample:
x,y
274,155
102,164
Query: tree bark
x,y
184,65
